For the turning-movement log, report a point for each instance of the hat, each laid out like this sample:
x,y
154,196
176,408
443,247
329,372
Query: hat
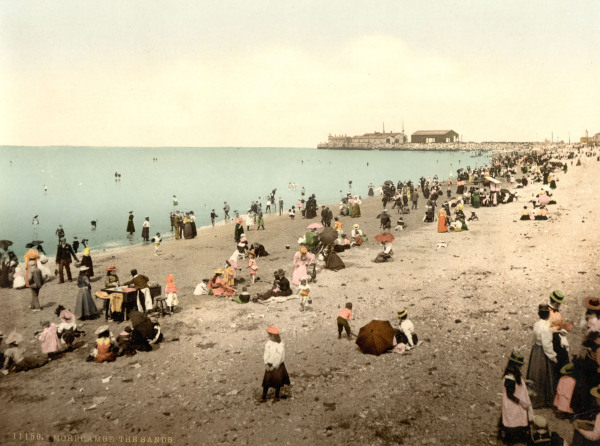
x,y
219,271
280,272
14,337
272,330
101,329
356,226
43,259
543,307
567,369
595,392
557,296
540,422
111,268
592,303
84,268
67,317
102,295
517,358
402,313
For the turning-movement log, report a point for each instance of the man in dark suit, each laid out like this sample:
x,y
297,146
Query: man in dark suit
x,y
140,282
63,259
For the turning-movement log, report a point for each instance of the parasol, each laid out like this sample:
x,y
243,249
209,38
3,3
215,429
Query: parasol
x,y
33,243
376,337
383,214
142,324
328,235
314,226
385,237
4,244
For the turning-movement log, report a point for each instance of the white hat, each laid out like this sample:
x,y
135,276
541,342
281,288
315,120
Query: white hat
x,y
101,329
84,268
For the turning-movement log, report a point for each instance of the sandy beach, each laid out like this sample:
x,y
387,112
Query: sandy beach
x,y
472,302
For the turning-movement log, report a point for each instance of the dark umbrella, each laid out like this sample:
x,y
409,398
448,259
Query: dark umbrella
x,y
383,214
4,244
142,324
33,243
385,237
328,236
376,337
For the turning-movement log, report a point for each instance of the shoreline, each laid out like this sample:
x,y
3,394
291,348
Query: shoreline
x,y
472,303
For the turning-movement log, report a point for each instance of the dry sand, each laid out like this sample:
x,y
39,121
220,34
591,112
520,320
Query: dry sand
x,y
471,302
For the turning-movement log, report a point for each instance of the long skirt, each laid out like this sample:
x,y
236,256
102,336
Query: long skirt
x,y
356,211
85,306
542,372
333,262
187,231
145,232
276,378
194,229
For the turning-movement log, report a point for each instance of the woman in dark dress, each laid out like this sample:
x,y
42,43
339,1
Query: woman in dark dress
x,y
85,306
130,226
86,260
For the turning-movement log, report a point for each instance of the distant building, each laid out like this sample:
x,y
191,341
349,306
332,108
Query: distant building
x,y
434,136
380,138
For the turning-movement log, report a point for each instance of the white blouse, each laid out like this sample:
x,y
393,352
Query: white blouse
x,y
274,353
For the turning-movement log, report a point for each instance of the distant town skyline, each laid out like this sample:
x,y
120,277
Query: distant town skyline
x,y
288,74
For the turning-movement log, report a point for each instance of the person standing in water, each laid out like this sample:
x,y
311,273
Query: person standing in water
x,y
130,225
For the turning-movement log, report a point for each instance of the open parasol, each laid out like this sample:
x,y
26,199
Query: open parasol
x,y
142,323
5,244
327,236
385,237
33,243
314,226
376,337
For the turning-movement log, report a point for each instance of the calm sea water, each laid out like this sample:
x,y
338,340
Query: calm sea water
x,y
81,184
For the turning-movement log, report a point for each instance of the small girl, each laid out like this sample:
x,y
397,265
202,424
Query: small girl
x,y
252,266
105,350
260,222
67,329
156,240
171,293
49,339
303,292
292,212
229,274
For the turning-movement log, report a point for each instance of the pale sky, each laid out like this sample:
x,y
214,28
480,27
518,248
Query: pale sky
x,y
286,74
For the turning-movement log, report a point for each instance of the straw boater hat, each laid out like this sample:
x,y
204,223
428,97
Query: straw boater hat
x,y
67,317
592,303
595,392
402,313
272,330
540,422
356,226
111,268
101,329
567,369
557,296
219,271
517,358
14,338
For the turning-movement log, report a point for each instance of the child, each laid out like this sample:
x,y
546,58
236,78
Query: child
x,y
171,293
49,339
213,215
104,351
276,374
400,225
252,265
292,212
564,391
229,274
67,329
261,221
343,318
156,240
303,292
406,334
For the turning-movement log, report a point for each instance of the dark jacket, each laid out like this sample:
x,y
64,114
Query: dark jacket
x,y
140,282
65,252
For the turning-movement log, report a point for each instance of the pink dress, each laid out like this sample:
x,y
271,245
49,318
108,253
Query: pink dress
x,y
513,414
564,392
49,338
220,289
300,265
253,267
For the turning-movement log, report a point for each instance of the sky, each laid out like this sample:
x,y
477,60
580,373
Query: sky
x,y
287,74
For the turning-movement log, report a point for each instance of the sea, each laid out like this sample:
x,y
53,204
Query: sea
x,y
73,186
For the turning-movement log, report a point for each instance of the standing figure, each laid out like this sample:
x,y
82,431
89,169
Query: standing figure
x,y
60,232
542,361
177,226
213,216
156,241
84,306
130,225
517,411
303,292
343,320
35,283
302,259
140,282
175,201
252,266
226,210
86,260
146,229
276,374
238,230
35,222
171,293
63,259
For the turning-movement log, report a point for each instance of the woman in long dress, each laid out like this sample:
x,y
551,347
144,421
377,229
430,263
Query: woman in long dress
x,y
442,221
276,374
85,306
86,260
130,225
516,407
302,259
542,361
217,286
